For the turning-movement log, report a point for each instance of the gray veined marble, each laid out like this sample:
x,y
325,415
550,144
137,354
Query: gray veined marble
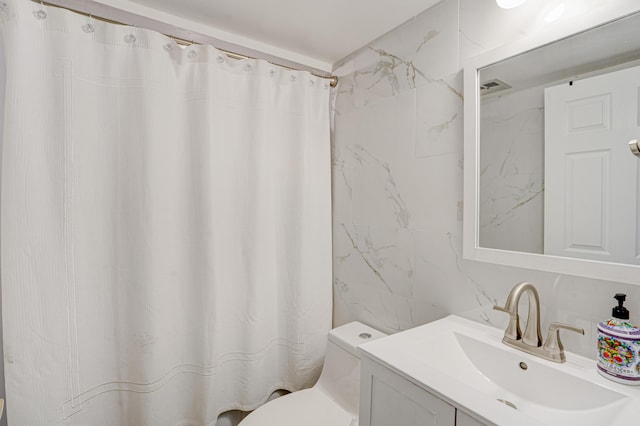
x,y
339,167
435,131
516,198
484,300
512,171
426,39
381,256
383,170
389,69
404,58
439,117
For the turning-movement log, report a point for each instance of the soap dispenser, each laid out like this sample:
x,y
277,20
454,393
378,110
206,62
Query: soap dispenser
x,y
619,346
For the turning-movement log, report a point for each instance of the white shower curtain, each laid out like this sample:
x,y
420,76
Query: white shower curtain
x,y
165,225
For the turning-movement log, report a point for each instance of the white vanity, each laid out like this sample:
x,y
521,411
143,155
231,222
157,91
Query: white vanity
x,y
391,399
458,372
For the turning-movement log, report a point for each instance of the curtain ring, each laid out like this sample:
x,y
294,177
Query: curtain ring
x,y
88,27
40,14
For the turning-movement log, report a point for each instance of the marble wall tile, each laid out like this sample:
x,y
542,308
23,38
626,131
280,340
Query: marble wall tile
x,y
403,59
439,117
345,96
387,253
341,186
344,135
397,174
433,192
380,154
408,50
375,279
373,270
439,266
512,171
439,41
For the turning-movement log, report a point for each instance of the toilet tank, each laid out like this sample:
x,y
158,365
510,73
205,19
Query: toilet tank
x,y
340,377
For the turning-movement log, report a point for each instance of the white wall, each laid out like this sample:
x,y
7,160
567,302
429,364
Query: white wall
x,y
397,178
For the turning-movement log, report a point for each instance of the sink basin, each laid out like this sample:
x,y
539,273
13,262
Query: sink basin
x,y
505,374
466,364
535,381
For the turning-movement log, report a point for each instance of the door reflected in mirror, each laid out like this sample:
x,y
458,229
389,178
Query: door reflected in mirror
x,y
555,173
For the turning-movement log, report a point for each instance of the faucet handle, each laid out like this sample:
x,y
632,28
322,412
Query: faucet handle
x,y
513,331
501,309
553,344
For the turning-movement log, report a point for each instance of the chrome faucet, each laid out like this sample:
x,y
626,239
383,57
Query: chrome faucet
x,y
531,340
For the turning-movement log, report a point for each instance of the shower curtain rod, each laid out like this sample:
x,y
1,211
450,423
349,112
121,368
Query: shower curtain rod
x,y
179,35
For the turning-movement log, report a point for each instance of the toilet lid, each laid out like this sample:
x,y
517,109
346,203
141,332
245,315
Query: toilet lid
x,y
308,407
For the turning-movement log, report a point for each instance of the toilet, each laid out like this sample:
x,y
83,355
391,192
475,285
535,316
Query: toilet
x,y
334,399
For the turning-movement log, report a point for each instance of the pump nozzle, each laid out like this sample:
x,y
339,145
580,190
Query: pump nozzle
x,y
620,311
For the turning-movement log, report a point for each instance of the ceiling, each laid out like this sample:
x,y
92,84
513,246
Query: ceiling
x,y
314,33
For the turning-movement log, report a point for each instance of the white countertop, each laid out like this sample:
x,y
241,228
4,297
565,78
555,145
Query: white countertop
x,y
466,364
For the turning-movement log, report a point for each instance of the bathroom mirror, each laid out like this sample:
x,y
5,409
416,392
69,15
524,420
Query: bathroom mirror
x,y
549,180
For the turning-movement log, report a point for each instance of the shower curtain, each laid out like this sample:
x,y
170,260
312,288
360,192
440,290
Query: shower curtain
x,y
165,225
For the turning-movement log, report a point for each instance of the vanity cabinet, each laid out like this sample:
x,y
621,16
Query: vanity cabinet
x,y
387,399
463,419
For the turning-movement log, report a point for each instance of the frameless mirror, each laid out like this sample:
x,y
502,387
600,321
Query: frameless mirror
x,y
550,180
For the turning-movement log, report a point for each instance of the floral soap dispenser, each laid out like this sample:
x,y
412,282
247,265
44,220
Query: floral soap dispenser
x,y
619,346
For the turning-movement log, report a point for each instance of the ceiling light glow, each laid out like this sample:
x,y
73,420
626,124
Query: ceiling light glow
x,y
555,13
509,4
